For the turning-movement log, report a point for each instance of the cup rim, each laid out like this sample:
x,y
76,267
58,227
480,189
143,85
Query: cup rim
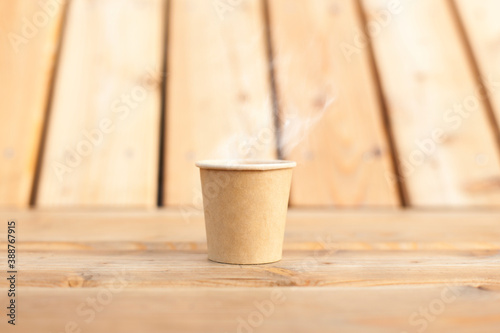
x,y
259,165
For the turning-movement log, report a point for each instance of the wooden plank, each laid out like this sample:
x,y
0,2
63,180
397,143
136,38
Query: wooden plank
x,y
331,119
447,148
219,103
30,38
103,138
457,309
377,271
186,265
412,229
483,31
321,249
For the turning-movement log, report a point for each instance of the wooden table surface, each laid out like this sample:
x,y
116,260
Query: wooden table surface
x,y
344,271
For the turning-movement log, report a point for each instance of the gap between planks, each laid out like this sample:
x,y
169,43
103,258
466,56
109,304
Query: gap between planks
x,y
46,118
473,60
384,113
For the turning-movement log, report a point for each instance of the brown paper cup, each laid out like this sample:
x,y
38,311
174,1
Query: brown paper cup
x,y
245,205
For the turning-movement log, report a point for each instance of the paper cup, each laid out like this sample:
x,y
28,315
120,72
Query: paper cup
x,y
245,205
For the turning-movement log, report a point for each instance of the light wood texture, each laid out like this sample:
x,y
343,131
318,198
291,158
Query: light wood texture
x,y
219,102
95,264
483,31
27,58
330,309
321,249
398,229
335,135
431,91
108,88
345,271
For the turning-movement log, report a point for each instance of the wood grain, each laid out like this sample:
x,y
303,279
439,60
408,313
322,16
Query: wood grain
x,y
103,137
483,32
331,119
349,271
411,229
380,310
219,103
376,248
447,148
91,265
28,47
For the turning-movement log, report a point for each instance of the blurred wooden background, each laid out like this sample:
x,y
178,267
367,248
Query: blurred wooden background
x,y
382,103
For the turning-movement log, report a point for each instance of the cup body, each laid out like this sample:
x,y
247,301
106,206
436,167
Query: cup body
x,y
245,205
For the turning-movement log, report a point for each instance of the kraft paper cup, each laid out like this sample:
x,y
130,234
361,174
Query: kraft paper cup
x,y
245,205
